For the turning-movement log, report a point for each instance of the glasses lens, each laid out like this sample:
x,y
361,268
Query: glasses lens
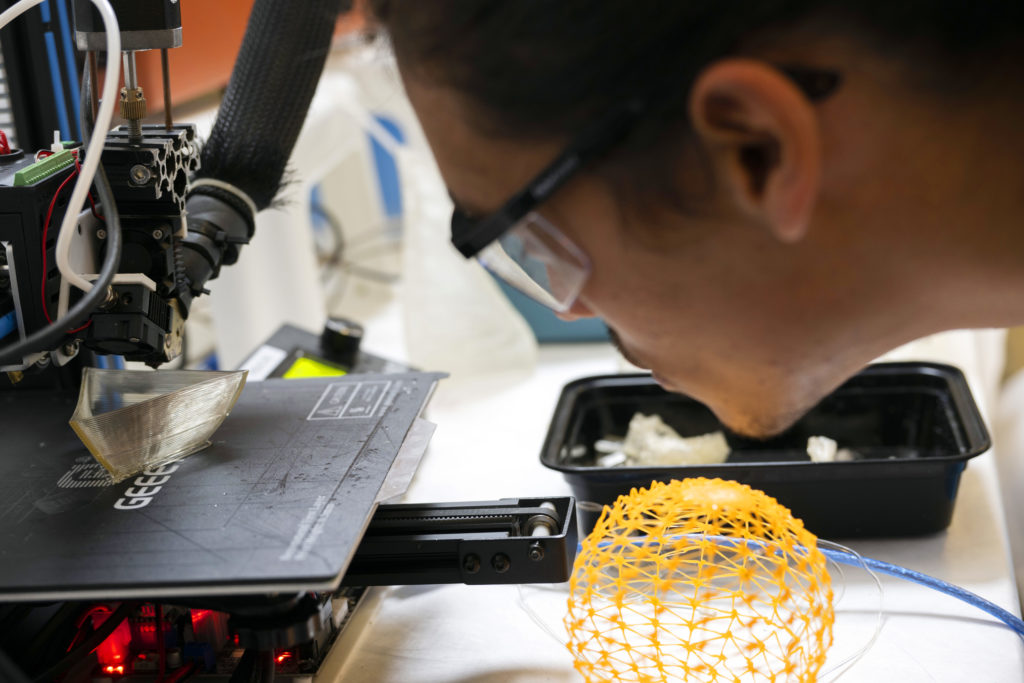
x,y
538,260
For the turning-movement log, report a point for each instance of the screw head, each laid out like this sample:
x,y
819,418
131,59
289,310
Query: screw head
x,y
139,174
471,564
501,563
101,234
536,552
158,234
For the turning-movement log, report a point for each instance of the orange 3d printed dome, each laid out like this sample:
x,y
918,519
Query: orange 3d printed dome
x,y
699,580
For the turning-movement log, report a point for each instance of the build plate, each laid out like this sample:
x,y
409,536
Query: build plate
x,y
278,502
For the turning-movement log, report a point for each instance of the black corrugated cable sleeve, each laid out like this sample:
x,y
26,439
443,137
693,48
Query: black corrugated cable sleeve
x,y
282,56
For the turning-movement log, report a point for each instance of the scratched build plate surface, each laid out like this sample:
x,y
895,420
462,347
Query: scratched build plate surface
x,y
278,502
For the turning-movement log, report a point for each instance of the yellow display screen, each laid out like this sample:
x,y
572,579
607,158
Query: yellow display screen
x,y
304,367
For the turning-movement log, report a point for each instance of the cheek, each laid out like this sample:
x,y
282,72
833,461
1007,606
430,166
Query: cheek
x,y
671,320
647,297
660,281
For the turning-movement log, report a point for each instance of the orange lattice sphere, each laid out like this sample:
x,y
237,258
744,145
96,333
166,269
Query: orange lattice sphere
x,y
699,580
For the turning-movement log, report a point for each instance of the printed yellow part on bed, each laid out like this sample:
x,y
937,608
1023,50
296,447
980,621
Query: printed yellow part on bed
x,y
699,580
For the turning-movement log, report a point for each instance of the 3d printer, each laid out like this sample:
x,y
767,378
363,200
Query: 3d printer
x,y
243,564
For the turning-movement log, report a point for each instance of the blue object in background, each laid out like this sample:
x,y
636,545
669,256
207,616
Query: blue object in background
x,y
387,169
63,72
316,208
548,327
8,324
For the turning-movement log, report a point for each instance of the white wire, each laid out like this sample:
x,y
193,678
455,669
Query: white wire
x,y
834,671
16,10
95,149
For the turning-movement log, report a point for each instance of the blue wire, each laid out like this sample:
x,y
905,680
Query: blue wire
x,y
1011,620
58,85
8,323
950,589
69,60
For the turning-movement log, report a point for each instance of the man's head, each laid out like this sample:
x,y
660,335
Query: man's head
x,y
752,245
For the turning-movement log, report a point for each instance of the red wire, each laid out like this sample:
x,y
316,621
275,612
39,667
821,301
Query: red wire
x,y
93,610
92,205
79,329
46,229
81,622
5,146
181,674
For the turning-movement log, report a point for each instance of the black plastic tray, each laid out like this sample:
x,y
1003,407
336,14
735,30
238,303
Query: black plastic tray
x,y
914,424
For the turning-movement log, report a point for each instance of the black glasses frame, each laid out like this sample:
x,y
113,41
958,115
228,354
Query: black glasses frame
x,y
471,235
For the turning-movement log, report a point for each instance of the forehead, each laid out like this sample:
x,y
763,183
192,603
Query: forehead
x,y
481,171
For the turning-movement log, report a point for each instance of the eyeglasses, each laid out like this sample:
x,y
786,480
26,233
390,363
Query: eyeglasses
x,y
520,246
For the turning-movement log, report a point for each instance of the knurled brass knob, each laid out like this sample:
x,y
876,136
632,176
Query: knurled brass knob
x,y
133,104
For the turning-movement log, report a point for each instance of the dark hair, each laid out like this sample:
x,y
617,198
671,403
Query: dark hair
x,y
543,68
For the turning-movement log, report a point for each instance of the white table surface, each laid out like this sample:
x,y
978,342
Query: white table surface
x,y
487,446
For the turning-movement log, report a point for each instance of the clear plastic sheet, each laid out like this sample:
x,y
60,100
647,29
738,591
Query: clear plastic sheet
x,y
133,420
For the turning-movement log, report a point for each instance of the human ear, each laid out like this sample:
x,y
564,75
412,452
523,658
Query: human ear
x,y
762,136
